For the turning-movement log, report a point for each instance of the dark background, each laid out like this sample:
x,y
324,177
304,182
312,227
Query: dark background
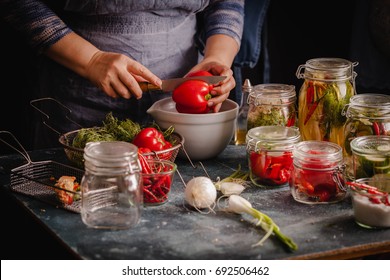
x,y
297,31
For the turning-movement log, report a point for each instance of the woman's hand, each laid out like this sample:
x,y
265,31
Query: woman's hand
x,y
118,75
221,91
115,74
219,54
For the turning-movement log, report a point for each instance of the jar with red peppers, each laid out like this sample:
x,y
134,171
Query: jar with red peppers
x,y
367,114
318,173
328,86
269,153
272,104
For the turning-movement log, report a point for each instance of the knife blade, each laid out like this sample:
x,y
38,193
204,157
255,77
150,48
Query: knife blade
x,y
171,84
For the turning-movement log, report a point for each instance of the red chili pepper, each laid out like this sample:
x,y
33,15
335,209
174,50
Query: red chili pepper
x,y
157,189
379,128
156,186
144,163
310,93
291,121
368,188
310,112
312,105
275,170
375,127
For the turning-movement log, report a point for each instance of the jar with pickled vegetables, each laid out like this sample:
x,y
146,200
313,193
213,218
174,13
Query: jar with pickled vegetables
x,y
269,154
328,85
318,175
371,156
367,114
272,104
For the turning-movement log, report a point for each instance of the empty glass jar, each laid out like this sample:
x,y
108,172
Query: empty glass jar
x,y
111,188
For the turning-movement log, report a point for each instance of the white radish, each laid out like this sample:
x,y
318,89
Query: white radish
x,y
200,193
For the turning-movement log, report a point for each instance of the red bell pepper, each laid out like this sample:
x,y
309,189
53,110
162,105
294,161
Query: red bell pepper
x,y
191,96
153,139
272,170
199,73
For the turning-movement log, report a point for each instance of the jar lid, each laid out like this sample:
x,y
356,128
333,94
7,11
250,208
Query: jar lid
x,y
272,94
272,137
371,145
318,154
328,68
111,157
369,105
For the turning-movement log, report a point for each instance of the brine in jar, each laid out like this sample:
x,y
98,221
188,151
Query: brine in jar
x,y
328,86
367,114
272,104
371,156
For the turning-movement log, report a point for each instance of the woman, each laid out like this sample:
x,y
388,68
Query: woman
x,y
96,51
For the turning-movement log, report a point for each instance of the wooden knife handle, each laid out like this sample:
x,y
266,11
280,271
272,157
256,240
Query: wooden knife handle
x,y
145,87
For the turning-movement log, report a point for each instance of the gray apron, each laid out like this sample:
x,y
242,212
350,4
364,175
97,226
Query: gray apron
x,y
158,34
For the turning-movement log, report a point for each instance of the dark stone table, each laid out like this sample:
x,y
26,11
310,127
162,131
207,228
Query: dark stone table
x,y
173,231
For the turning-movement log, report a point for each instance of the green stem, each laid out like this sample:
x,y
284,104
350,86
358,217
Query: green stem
x,y
285,239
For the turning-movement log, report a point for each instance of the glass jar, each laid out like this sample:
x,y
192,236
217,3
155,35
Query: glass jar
x,y
371,202
272,104
111,188
328,85
318,173
371,156
367,114
269,154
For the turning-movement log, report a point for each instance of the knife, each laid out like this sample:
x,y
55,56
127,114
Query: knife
x,y
171,84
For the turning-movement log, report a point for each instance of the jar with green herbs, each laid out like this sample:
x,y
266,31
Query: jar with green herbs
x,y
269,153
367,114
272,104
328,86
371,156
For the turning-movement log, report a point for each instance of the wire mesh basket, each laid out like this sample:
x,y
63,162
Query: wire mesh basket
x,y
76,155
38,180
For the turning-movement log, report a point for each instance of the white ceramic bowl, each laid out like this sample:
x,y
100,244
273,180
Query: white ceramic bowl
x,y
205,135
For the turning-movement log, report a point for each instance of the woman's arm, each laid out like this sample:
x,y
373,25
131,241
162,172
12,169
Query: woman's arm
x,y
223,23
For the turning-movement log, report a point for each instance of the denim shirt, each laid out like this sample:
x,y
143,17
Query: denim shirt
x,y
252,43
